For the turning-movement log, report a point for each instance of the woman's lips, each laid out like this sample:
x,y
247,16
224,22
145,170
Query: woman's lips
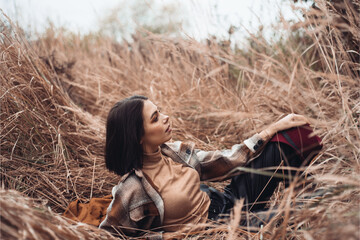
x,y
168,129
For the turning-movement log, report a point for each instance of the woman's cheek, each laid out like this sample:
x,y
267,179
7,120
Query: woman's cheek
x,y
160,133
155,134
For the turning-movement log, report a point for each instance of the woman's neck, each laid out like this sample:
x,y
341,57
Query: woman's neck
x,y
150,149
152,157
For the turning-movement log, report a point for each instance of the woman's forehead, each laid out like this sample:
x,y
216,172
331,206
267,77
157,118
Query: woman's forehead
x,y
149,108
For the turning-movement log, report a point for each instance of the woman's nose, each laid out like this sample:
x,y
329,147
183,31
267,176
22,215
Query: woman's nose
x,y
166,119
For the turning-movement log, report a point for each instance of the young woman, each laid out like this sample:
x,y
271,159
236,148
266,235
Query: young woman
x,y
160,186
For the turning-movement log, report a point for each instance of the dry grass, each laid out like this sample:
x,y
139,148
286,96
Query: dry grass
x,y
24,218
56,92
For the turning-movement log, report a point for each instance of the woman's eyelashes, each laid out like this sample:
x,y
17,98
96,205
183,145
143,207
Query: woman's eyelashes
x,y
156,118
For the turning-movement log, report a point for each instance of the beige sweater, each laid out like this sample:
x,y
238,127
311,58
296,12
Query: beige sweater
x,y
179,187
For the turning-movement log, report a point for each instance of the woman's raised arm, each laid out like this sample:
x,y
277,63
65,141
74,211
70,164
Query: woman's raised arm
x,y
290,121
218,165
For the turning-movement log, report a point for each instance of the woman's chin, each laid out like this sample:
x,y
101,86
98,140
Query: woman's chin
x,y
168,138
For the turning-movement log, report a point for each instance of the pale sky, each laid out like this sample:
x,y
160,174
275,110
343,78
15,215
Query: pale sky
x,y
204,17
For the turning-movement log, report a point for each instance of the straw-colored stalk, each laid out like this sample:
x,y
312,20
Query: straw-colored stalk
x,y
56,92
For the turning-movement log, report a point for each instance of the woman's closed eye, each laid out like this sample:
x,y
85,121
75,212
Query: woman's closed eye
x,y
156,116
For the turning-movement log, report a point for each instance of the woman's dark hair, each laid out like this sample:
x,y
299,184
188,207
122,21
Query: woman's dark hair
x,y
124,129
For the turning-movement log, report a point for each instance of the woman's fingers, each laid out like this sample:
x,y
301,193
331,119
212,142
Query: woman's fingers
x,y
298,120
291,120
302,118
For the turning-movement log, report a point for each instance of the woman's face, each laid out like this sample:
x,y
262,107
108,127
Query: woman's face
x,y
157,127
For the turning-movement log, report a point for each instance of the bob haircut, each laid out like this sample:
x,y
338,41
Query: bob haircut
x,y
124,129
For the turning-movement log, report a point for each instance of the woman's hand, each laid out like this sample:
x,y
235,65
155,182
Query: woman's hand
x,y
291,120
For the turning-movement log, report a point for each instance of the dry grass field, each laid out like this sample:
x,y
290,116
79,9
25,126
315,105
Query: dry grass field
x,y
56,92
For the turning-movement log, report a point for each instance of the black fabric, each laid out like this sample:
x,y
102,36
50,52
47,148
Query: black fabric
x,y
218,201
256,189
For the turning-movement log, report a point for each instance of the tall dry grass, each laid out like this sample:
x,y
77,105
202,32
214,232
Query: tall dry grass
x,y
25,218
56,92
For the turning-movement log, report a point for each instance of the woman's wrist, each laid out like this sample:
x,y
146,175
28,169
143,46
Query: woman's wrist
x,y
267,133
264,135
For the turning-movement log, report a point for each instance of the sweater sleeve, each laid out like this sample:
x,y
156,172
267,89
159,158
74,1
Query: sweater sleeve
x,y
220,164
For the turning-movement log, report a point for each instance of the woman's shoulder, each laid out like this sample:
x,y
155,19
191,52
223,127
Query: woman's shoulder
x,y
175,146
179,147
131,188
128,182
